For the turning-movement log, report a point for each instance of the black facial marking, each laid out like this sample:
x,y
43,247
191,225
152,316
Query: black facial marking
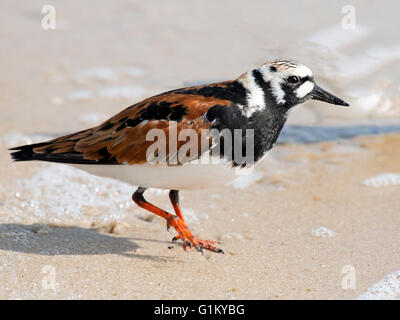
x,y
270,99
289,89
290,96
306,78
260,81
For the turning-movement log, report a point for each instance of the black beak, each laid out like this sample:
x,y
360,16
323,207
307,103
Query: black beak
x,y
320,94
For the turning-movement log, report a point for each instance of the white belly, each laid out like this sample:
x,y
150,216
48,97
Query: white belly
x,y
188,176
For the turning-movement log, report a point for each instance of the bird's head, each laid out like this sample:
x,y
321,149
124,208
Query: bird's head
x,y
289,83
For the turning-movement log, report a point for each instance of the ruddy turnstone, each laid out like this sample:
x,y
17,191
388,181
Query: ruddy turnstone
x,y
188,138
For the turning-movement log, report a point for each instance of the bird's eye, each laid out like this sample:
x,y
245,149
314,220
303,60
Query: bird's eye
x,y
293,79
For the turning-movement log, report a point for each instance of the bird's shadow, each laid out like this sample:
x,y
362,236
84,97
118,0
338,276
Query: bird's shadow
x,y
49,240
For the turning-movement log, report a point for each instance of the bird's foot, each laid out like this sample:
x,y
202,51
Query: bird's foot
x,y
188,239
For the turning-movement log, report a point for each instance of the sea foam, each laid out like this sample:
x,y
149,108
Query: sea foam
x,y
61,194
384,179
386,289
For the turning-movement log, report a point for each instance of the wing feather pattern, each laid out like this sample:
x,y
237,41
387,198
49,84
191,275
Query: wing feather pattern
x,y
122,138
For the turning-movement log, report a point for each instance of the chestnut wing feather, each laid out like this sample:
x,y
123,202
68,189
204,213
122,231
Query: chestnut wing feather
x,y
122,138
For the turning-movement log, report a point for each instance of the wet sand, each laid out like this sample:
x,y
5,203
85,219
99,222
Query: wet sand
x,y
269,231
307,224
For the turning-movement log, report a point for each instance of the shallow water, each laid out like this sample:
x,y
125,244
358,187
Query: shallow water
x,y
307,134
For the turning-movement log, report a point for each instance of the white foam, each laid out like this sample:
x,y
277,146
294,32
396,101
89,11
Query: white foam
x,y
384,179
232,236
367,58
386,289
335,37
373,59
242,181
367,102
59,193
322,232
13,139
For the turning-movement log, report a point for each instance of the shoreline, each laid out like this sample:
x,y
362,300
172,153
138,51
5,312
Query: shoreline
x,y
293,230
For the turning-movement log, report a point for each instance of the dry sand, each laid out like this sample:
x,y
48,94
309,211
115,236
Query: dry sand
x,y
301,225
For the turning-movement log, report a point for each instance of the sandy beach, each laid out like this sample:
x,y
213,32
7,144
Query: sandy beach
x,y
311,221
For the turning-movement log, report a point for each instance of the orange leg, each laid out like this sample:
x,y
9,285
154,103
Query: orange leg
x,y
176,221
174,197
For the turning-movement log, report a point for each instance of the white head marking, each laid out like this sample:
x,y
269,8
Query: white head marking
x,y
285,69
304,89
276,75
255,94
301,71
276,89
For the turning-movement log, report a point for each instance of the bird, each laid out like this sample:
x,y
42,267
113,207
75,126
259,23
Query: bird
x,y
188,138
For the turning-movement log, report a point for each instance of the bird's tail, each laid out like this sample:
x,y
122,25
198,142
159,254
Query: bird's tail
x,y
62,150
26,152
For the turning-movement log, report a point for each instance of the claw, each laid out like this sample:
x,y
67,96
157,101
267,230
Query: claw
x,y
187,245
199,248
189,240
175,221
